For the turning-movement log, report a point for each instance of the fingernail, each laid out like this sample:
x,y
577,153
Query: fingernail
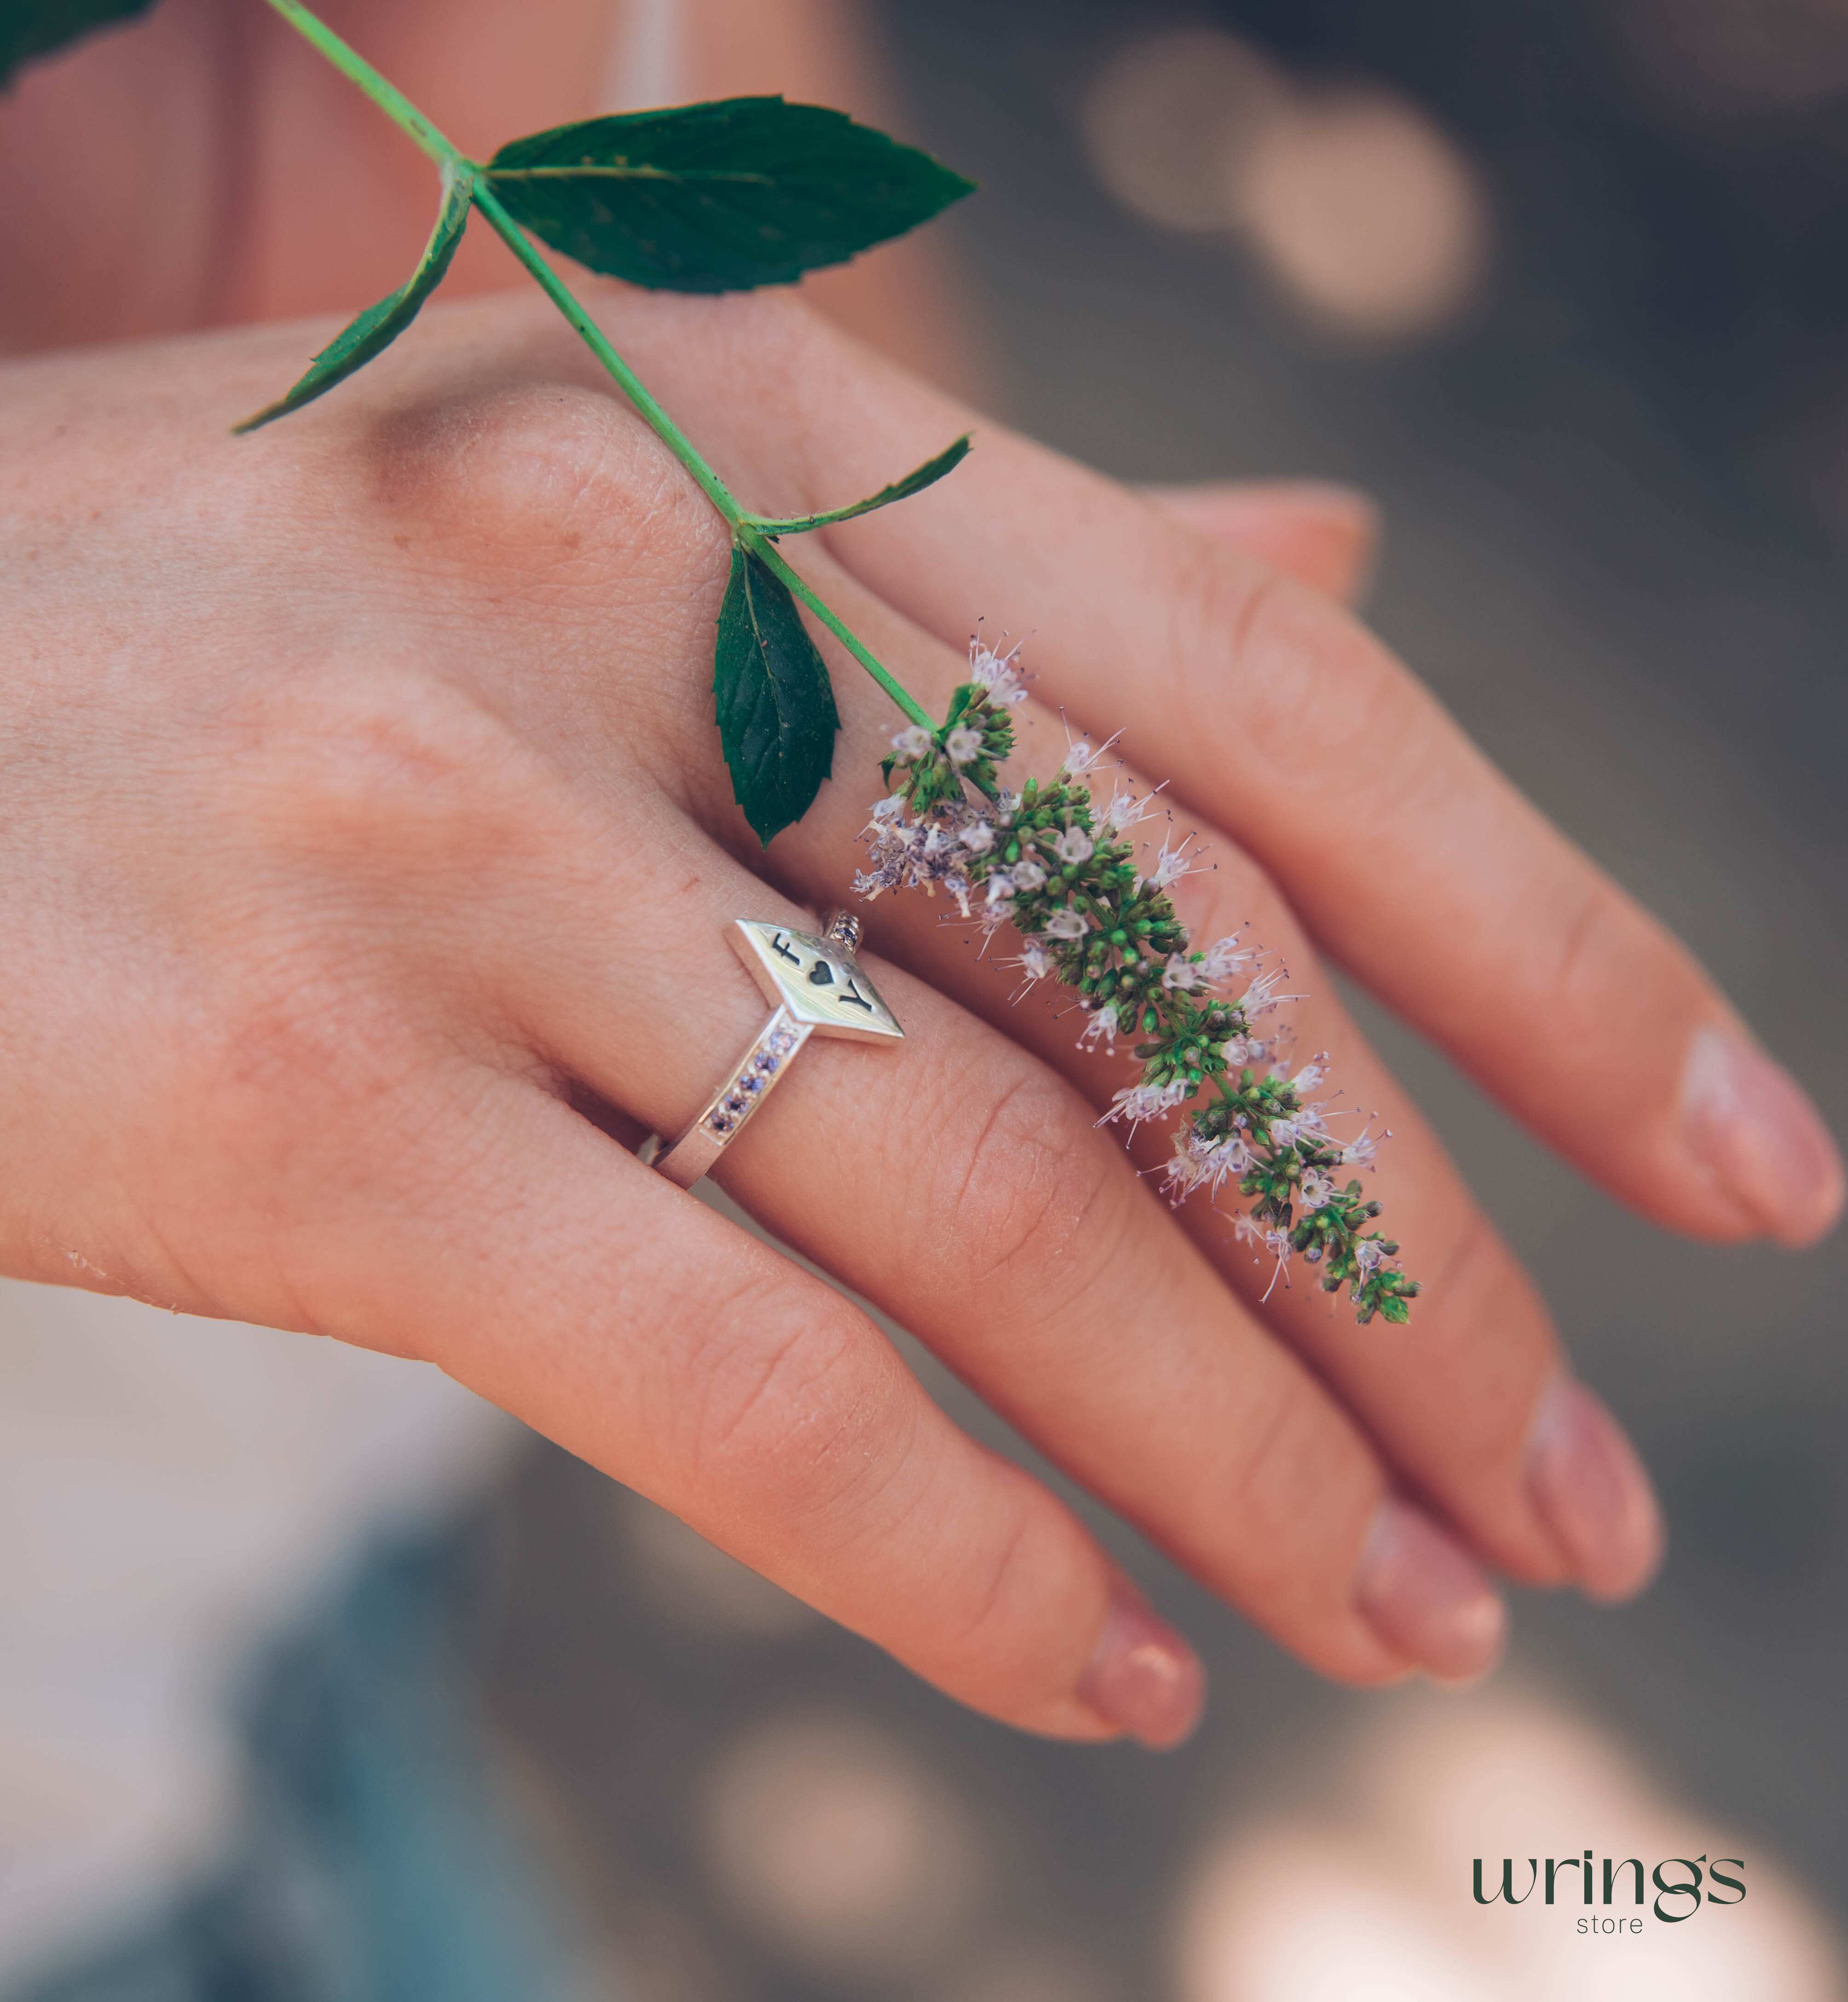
x,y
1750,1125
1352,536
1142,1677
1587,1482
1425,1598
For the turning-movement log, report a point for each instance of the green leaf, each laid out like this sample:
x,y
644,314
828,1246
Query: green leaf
x,y
718,197
926,475
378,326
30,27
776,713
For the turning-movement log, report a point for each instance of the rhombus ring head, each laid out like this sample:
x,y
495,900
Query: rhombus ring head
x,y
816,987
817,979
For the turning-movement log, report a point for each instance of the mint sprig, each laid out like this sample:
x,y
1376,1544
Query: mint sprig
x,y
730,195
747,192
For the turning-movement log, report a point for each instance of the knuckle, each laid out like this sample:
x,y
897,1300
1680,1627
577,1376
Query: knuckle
x,y
1477,1287
793,1403
1013,1605
993,1593
1301,673
546,481
371,762
1026,1195
1209,602
1475,1280
1589,944
1238,894
349,807
313,1086
1285,1483
300,1027
1265,1474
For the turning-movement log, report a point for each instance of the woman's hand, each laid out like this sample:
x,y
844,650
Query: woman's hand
x,y
368,858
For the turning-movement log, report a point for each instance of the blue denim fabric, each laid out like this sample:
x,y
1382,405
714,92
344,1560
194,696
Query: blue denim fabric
x,y
375,1862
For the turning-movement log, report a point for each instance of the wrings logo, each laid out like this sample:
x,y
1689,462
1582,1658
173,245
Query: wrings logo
x,y
1683,1886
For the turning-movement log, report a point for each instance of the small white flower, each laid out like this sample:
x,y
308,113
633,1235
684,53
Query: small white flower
x,y
912,742
1137,1102
1182,1174
1262,995
1066,924
978,837
1124,810
1317,1189
1239,1050
1225,1160
964,744
1180,1177
1187,1169
999,673
1083,757
1001,886
1170,865
1224,957
1359,1152
888,810
1202,1161
1074,845
1028,875
1284,1132
1180,973
1101,1028
1310,1076
1369,1255
1034,960
1277,1244
1250,1231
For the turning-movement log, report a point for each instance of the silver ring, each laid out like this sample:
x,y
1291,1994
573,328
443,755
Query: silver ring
x,y
816,987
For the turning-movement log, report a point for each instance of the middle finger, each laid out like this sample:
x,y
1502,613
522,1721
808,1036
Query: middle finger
x,y
1471,1401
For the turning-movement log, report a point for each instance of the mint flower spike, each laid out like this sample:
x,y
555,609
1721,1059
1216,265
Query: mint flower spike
x,y
1057,868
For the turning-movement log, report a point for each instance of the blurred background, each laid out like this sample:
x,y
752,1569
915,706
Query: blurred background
x,y
1566,289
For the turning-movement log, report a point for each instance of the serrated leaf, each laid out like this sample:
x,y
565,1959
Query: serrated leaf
x,y
926,475
378,326
30,27
776,713
718,197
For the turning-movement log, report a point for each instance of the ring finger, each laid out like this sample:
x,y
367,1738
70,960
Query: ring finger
x,y
957,1181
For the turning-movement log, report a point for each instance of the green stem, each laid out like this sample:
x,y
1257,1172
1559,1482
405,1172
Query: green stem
x,y
592,336
775,561
743,525
351,64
